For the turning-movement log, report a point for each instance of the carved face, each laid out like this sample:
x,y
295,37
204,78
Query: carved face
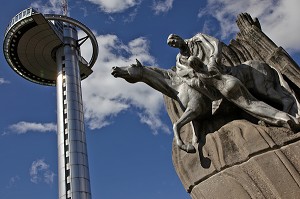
x,y
131,74
175,41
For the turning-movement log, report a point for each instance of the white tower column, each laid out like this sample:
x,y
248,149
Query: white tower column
x,y
73,173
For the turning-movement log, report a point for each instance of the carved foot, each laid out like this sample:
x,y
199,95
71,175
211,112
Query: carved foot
x,y
292,125
189,148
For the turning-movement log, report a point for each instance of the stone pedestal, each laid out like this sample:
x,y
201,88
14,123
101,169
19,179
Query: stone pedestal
x,y
242,160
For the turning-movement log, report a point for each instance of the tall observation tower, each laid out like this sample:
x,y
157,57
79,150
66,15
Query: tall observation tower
x,y
45,49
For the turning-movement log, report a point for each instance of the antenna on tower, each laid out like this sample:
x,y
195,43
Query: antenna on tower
x,y
64,6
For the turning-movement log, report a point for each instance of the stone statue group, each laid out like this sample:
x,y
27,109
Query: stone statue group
x,y
199,82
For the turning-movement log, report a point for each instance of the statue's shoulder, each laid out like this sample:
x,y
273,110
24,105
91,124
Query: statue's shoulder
x,y
200,37
197,37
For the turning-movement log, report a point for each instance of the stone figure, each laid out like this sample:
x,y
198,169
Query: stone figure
x,y
196,100
200,79
200,75
205,47
170,84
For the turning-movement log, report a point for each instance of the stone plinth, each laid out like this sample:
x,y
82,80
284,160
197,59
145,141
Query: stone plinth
x,y
242,160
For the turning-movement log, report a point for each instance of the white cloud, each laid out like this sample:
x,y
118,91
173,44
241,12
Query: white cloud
x,y
24,127
162,6
279,19
115,6
154,123
3,81
105,96
52,6
40,172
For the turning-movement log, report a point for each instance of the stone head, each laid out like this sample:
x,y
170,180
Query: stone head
x,y
131,74
175,41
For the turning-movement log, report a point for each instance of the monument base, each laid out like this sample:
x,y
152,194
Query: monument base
x,y
242,160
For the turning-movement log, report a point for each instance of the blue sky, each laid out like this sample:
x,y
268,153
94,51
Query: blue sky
x,y
128,131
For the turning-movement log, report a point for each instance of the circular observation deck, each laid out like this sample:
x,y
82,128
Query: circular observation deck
x,y
30,44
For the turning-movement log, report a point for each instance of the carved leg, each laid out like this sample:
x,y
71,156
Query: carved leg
x,y
272,90
236,92
195,126
288,105
286,99
188,115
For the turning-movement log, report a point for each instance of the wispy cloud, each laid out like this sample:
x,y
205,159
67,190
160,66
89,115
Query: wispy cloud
x,y
105,96
40,172
279,19
51,6
131,16
13,180
115,6
24,127
160,6
3,81
85,11
154,122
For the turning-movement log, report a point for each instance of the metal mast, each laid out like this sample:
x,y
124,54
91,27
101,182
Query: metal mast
x,y
64,5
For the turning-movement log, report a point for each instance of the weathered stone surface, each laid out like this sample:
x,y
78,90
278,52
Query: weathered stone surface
x,y
273,174
239,143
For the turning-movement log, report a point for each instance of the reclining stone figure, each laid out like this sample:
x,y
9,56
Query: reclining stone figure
x,y
256,76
